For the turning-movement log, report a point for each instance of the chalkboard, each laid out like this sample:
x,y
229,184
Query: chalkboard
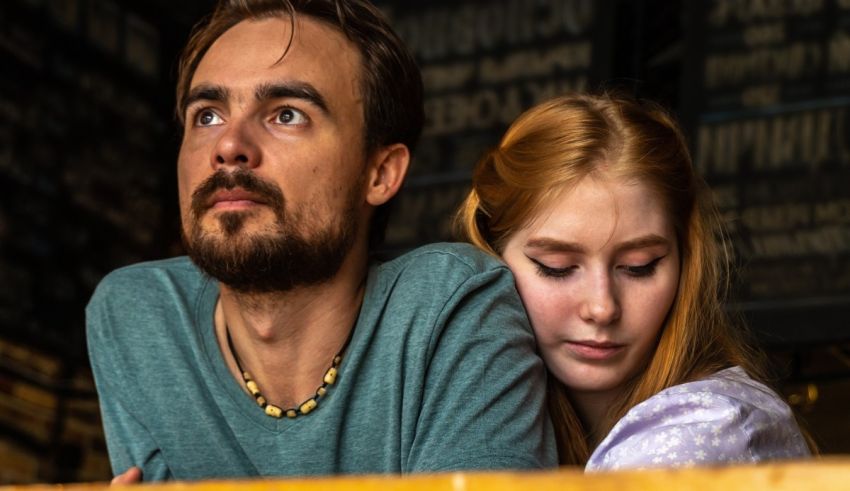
x,y
767,98
86,168
483,63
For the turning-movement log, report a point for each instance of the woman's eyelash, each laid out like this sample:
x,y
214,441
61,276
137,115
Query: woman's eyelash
x,y
642,271
645,270
549,272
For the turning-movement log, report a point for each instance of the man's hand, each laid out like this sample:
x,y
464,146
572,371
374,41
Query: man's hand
x,y
132,475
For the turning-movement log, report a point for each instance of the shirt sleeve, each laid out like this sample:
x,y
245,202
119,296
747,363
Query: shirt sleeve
x,y
129,443
483,405
697,428
121,427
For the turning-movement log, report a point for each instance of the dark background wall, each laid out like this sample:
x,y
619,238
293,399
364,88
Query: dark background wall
x,y
88,145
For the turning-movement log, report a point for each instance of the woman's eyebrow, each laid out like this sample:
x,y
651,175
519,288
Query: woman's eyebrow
x,y
643,242
554,245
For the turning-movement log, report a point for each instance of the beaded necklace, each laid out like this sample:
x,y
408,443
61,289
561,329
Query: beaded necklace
x,y
305,407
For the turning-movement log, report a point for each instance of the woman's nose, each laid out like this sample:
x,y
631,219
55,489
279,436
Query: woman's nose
x,y
601,304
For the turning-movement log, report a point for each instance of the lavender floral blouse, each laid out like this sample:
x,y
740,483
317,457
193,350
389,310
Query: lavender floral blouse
x,y
725,418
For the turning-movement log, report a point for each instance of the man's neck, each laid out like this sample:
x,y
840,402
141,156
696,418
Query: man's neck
x,y
287,340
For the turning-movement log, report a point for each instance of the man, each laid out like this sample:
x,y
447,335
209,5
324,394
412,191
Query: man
x,y
299,358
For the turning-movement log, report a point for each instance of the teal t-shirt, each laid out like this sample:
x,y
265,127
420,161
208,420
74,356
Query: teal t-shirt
x,y
441,374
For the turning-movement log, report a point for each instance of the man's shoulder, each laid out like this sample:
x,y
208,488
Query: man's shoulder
x,y
437,259
180,265
150,278
434,280
148,301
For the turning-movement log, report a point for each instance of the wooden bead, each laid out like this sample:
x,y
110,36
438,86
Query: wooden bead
x,y
274,411
330,376
308,406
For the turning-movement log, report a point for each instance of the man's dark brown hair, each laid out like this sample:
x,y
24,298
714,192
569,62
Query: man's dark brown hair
x,y
391,80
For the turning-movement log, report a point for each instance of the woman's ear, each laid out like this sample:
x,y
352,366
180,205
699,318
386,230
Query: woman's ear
x,y
386,173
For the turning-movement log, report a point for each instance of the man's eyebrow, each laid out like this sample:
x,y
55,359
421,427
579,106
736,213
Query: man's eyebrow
x,y
214,93
296,90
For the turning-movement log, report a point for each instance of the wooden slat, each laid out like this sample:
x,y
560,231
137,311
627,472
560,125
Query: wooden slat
x,y
816,475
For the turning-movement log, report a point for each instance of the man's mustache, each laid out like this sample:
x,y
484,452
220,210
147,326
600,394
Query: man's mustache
x,y
268,192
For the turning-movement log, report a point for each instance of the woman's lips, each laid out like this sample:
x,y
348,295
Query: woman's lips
x,y
594,350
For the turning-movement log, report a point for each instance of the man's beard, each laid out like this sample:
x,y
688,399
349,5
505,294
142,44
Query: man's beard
x,y
276,261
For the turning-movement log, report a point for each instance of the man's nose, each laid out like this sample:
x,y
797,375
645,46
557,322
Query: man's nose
x,y
601,304
236,146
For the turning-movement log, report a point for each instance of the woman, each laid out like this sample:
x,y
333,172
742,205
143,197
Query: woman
x,y
593,203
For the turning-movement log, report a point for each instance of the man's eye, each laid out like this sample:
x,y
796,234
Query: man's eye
x,y
291,116
207,117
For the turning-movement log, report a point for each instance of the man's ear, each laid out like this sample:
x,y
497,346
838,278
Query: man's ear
x,y
386,173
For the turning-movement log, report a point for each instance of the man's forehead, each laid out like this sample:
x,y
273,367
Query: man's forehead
x,y
251,53
264,42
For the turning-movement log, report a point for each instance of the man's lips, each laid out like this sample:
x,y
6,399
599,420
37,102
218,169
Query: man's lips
x,y
595,350
234,199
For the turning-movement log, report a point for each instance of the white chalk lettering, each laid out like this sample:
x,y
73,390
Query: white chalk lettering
x,y
490,108
762,34
443,32
724,12
451,76
822,241
482,109
777,217
832,212
798,141
839,52
534,63
805,139
764,95
789,62
541,91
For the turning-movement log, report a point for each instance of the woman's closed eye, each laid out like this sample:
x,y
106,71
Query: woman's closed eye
x,y
552,272
644,270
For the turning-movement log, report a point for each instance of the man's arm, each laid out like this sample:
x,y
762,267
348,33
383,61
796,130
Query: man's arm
x,y
128,441
130,444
